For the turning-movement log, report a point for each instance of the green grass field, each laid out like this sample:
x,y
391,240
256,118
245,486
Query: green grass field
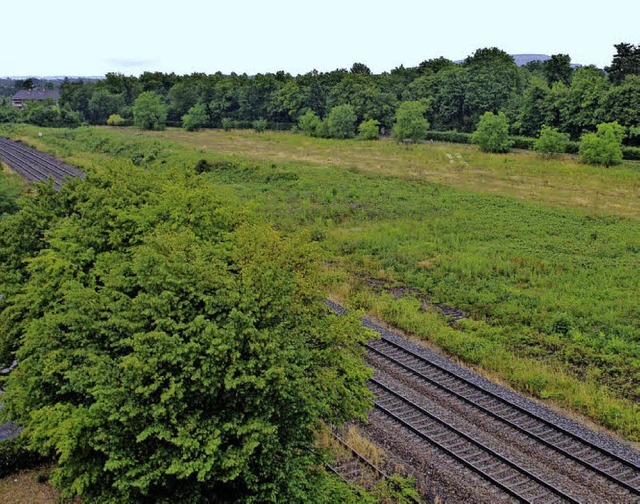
x,y
544,255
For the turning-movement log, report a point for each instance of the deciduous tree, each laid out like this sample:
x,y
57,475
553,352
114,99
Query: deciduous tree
x,y
149,111
410,122
173,348
492,134
341,122
196,119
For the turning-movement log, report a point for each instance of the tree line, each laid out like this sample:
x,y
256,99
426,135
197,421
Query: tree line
x,y
552,93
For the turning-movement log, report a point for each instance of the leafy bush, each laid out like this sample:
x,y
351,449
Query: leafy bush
x,y
449,136
341,122
492,134
196,118
631,153
115,120
410,122
181,349
309,123
149,111
603,147
369,130
227,123
522,142
551,142
260,125
203,166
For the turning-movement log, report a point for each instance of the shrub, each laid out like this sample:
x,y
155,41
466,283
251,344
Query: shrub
x,y
227,123
309,123
632,153
341,122
603,147
115,120
410,121
259,125
522,142
449,136
369,130
149,111
203,166
196,118
551,142
199,365
492,134
322,130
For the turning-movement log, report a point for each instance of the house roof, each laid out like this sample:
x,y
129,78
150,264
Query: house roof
x,y
37,94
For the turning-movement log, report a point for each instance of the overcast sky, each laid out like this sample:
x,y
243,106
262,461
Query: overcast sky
x,y
85,38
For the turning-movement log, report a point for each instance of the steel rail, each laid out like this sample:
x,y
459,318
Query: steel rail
x,y
457,456
526,414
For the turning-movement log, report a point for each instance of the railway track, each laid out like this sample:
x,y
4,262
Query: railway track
x,y
35,166
619,471
409,380
357,469
507,475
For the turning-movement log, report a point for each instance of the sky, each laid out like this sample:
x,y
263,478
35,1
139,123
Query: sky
x,y
84,38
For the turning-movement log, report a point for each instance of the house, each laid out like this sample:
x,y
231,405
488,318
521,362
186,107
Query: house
x,y
26,95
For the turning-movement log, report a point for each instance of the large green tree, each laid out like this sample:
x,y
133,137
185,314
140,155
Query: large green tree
x,y
149,111
492,133
558,69
102,104
410,122
625,62
341,122
172,348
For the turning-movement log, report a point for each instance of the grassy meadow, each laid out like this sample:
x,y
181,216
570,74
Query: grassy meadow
x,y
543,255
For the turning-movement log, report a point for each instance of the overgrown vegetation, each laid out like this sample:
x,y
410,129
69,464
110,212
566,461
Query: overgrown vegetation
x,y
551,290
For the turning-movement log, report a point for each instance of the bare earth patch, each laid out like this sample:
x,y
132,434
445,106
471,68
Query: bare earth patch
x,y
25,487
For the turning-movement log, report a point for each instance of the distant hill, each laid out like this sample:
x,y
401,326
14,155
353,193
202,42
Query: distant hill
x,y
523,59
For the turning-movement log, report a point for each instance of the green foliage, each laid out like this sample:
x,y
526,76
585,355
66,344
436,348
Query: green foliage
x,y
309,123
103,104
10,187
558,69
449,136
522,142
116,120
15,456
341,122
410,122
149,111
551,142
196,119
631,153
172,346
259,125
625,62
227,124
369,130
513,264
492,133
603,147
